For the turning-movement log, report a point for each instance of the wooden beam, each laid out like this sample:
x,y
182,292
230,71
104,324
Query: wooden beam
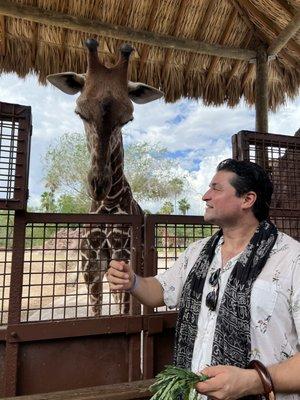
x,y
261,91
290,30
2,35
120,32
270,23
259,35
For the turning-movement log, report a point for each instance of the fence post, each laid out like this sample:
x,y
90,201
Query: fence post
x,y
15,301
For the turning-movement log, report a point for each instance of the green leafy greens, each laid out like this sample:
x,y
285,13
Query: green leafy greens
x,y
174,382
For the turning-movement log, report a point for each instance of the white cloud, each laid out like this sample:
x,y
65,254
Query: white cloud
x,y
287,119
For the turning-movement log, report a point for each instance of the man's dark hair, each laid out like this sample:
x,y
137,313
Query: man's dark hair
x,y
250,177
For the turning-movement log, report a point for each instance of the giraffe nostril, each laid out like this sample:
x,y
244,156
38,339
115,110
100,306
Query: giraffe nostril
x,y
99,187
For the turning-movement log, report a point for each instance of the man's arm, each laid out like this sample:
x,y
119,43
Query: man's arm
x,y
148,291
227,382
286,375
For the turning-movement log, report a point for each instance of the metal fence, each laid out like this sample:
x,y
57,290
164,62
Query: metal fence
x,y
50,311
279,155
60,331
15,135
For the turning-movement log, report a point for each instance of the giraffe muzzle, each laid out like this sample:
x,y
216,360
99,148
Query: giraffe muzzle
x,y
126,49
99,187
92,44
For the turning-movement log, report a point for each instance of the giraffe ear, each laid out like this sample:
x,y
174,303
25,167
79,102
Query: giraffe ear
x,y
67,82
142,94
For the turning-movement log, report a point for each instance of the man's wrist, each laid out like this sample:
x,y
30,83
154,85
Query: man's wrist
x,y
135,283
255,384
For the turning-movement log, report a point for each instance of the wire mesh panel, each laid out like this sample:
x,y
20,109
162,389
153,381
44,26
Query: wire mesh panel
x,y
64,269
171,239
287,224
6,239
167,236
15,131
279,155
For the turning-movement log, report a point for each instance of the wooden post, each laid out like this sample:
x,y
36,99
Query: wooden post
x,y
261,90
2,35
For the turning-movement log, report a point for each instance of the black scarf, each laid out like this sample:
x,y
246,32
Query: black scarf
x,y
232,342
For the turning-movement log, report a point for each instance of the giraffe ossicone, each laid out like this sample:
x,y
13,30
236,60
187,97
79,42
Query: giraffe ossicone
x,y
105,105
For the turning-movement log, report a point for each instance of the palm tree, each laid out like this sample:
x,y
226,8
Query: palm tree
x,y
184,206
167,208
176,186
48,201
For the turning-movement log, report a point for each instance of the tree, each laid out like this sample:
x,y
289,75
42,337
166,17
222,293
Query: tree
x,y
48,201
68,204
150,172
167,208
183,206
66,164
176,186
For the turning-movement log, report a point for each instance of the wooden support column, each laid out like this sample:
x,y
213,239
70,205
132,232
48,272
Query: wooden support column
x,y
261,90
2,35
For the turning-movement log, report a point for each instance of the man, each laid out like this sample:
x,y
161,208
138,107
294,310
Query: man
x,y
238,292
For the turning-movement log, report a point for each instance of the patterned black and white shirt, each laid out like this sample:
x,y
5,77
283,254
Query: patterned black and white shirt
x,y
275,303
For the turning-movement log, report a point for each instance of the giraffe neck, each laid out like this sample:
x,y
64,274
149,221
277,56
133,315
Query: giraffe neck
x,y
119,198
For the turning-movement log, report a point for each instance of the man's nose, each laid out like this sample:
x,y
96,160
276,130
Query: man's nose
x,y
206,196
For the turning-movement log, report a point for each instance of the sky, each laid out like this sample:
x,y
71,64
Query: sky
x,y
197,137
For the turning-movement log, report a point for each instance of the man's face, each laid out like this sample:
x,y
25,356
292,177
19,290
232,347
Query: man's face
x,y
223,207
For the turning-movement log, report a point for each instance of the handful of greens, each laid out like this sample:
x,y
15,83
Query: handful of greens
x,y
174,382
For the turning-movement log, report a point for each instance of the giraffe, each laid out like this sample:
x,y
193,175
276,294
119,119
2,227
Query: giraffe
x,y
105,105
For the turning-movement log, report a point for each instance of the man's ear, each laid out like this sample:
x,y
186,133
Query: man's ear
x,y
142,94
249,199
67,82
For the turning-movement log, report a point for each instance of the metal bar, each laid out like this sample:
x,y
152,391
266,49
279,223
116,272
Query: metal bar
x,y
82,218
270,139
11,355
28,332
23,151
172,219
149,254
134,350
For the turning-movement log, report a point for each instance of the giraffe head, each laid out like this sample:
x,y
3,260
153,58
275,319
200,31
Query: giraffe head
x,y
104,105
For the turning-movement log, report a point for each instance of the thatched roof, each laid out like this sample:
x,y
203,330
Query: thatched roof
x,y
56,45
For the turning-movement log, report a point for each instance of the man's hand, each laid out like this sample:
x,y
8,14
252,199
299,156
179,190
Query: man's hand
x,y
120,276
148,291
229,383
